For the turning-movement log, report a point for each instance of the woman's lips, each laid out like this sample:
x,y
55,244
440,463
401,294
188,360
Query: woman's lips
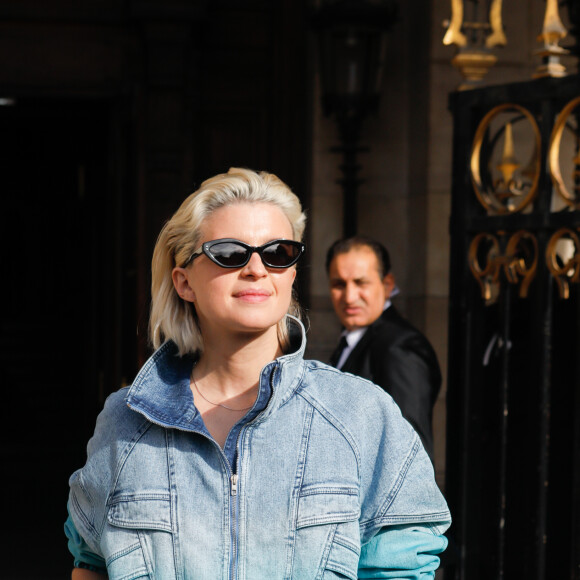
x,y
253,296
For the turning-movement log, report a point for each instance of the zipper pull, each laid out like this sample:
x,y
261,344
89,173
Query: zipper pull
x,y
234,484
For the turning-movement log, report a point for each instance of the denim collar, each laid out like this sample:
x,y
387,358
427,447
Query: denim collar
x,y
162,394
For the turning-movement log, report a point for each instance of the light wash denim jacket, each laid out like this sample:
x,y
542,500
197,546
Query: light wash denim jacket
x,y
327,481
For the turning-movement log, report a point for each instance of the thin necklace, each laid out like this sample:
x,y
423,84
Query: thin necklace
x,y
216,404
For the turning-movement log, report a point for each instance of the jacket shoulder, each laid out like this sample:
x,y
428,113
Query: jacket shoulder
x,y
325,381
394,327
115,422
116,428
397,482
395,332
355,402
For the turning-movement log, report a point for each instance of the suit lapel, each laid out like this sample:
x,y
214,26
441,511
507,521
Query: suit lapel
x,y
357,362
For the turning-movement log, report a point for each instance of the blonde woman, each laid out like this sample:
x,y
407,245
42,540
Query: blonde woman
x,y
230,456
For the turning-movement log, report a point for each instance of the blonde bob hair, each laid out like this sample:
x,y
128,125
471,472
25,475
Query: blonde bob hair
x,y
173,318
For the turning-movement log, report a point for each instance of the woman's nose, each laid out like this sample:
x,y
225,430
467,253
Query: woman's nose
x,y
255,267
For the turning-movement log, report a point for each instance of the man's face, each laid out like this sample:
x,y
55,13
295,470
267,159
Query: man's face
x,y
357,291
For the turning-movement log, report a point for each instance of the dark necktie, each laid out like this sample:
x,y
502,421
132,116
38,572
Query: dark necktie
x,y
335,357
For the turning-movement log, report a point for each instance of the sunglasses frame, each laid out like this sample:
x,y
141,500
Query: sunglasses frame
x,y
206,249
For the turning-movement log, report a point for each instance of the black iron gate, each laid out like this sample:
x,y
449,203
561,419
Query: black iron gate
x,y
513,434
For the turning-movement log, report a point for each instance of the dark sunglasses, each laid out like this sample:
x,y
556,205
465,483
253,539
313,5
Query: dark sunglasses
x,y
230,253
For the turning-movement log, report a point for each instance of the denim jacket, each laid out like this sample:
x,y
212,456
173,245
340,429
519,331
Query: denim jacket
x,y
318,477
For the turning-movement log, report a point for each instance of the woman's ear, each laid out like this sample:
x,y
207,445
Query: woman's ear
x,y
181,284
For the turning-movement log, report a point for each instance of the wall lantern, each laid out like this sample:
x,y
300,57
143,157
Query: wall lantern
x,y
352,38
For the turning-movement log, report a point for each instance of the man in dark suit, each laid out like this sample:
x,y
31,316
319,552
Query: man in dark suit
x,y
377,343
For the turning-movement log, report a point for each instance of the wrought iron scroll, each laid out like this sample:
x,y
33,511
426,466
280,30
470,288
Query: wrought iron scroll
x,y
519,262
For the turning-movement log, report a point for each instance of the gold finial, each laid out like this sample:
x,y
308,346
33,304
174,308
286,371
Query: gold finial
x,y
509,163
497,36
454,34
474,40
552,32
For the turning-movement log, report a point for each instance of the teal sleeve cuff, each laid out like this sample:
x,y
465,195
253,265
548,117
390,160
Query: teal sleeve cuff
x,y
409,551
83,557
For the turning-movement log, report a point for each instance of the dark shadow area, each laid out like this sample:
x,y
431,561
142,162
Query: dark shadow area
x,y
54,255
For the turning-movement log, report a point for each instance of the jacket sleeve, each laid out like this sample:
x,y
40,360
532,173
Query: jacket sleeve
x,y
82,554
403,552
408,370
90,485
398,486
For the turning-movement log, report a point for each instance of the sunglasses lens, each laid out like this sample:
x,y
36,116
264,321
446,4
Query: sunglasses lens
x,y
234,254
280,254
229,254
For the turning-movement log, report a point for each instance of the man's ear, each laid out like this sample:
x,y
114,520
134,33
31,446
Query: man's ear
x,y
389,284
181,284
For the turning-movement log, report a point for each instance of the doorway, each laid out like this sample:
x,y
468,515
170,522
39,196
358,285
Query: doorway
x,y
62,277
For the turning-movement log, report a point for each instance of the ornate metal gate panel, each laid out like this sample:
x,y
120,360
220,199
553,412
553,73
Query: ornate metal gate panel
x,y
513,434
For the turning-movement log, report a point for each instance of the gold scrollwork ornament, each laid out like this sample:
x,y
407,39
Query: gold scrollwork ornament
x,y
486,275
563,259
519,262
570,196
511,184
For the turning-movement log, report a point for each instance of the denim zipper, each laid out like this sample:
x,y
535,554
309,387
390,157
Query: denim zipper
x,y
234,525
234,497
233,477
233,491
234,507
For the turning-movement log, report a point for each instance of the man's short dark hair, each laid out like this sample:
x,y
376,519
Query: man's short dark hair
x,y
347,244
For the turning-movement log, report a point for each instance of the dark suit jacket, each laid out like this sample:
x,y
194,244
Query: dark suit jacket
x,y
393,354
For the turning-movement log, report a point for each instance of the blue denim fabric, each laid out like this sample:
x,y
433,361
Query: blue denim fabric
x,y
320,471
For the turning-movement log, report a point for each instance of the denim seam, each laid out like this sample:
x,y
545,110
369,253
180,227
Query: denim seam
x,y
391,520
295,499
326,552
84,519
116,555
294,387
142,429
336,371
402,474
339,517
147,556
345,542
328,490
337,424
126,497
170,447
